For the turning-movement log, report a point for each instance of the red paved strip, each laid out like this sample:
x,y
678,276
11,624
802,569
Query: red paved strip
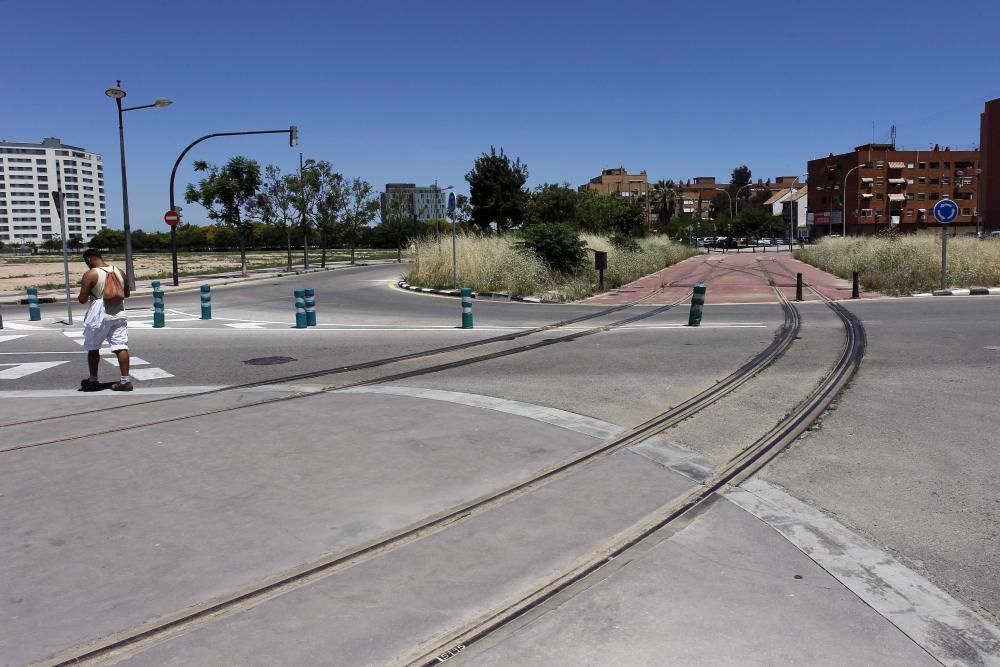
x,y
731,277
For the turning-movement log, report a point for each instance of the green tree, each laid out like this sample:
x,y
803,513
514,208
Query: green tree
x,y
552,202
738,180
361,206
330,210
397,211
229,194
191,237
603,214
54,243
276,205
497,192
74,242
557,244
664,202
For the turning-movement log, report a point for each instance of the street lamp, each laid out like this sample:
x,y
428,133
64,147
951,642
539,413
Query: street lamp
x,y
726,192
437,222
843,195
118,94
303,166
748,185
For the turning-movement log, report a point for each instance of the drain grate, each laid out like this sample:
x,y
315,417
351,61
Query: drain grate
x,y
269,361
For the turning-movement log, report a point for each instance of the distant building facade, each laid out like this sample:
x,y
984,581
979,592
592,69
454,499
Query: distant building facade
x,y
30,172
423,203
888,188
988,181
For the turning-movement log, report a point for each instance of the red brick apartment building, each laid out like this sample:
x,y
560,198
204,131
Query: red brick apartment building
x,y
892,189
989,179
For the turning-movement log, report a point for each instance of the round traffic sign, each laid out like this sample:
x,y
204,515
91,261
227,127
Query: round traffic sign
x,y
945,211
172,218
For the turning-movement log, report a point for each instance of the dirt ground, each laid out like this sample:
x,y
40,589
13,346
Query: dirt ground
x,y
18,272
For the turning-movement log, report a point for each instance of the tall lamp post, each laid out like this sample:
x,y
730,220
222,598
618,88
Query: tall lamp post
x,y
843,200
118,94
437,221
738,190
303,167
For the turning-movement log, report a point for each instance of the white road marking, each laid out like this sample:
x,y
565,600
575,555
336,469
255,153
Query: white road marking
x,y
150,373
572,421
113,360
21,370
244,325
74,334
992,347
4,338
162,391
940,624
21,326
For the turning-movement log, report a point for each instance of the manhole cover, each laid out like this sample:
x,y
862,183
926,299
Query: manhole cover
x,y
269,361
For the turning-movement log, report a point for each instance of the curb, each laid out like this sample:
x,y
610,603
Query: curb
x,y
402,284
973,291
216,280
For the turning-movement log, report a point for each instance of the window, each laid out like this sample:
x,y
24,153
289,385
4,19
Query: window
x,y
921,196
945,180
935,165
909,165
921,179
909,211
878,195
934,195
947,165
935,180
866,213
879,180
966,211
879,164
909,181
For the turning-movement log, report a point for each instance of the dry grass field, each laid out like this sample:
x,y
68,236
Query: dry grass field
x,y
18,272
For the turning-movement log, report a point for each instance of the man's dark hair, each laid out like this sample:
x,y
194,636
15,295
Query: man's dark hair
x,y
91,253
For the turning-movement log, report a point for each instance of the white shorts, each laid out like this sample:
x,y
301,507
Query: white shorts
x,y
115,332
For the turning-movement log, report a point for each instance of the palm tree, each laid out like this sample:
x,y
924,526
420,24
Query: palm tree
x,y
664,201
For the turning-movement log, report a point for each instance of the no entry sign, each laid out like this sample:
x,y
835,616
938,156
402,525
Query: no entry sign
x,y
172,218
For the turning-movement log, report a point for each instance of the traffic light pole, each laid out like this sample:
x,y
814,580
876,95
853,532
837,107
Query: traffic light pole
x,y
293,140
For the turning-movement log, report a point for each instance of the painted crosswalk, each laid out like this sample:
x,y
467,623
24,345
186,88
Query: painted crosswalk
x,y
143,374
18,371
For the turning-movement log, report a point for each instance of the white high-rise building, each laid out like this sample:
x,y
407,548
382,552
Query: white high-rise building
x,y
28,175
425,202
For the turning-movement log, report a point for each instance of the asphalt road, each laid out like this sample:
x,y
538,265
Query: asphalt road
x,y
111,530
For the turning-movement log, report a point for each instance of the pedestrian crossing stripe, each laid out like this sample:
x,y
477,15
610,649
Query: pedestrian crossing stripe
x,y
21,326
4,338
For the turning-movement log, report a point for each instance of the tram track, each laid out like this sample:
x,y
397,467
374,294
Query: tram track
x,y
734,472
164,628
384,361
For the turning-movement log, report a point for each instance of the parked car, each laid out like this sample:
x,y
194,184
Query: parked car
x,y
763,241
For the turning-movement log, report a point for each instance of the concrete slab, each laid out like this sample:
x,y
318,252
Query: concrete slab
x,y
726,590
380,610
102,534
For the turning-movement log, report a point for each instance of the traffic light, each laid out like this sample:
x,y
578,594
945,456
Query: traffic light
x,y
293,136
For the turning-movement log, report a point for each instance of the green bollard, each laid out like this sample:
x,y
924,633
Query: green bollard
x,y
34,310
697,302
466,308
159,318
310,295
300,309
206,302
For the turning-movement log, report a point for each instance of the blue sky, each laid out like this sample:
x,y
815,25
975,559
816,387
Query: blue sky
x,y
405,91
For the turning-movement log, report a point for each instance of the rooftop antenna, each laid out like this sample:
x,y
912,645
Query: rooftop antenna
x,y
892,134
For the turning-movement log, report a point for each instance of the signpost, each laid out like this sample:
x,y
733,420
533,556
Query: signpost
x,y
454,262
945,212
172,217
59,199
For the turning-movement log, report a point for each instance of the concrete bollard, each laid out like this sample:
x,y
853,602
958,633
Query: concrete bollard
x,y
1,319
697,302
206,302
855,286
798,287
159,316
300,309
466,308
34,310
310,297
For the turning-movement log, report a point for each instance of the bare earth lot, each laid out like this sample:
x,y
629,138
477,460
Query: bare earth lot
x,y
46,271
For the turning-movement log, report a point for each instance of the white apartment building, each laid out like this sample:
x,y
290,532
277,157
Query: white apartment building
x,y
28,175
426,202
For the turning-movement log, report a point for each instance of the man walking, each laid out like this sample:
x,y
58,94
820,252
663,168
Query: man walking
x,y
105,319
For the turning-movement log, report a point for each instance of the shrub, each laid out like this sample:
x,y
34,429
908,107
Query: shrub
x,y
557,244
624,242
